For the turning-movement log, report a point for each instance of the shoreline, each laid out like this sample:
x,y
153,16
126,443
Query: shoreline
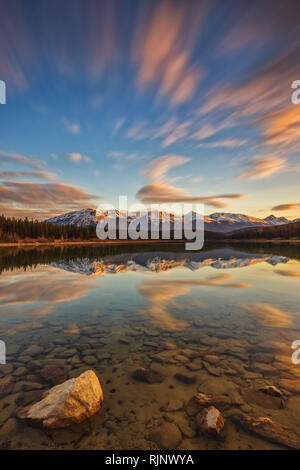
x,y
141,242
100,243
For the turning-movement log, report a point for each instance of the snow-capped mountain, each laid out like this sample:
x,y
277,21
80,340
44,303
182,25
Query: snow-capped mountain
x,y
228,222
272,219
83,218
217,222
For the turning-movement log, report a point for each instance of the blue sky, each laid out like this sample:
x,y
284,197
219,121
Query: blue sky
x,y
165,101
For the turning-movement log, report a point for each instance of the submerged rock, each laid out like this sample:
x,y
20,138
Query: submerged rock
x,y
150,376
271,390
186,379
175,405
202,400
212,370
33,350
53,374
167,436
268,429
290,385
266,397
6,385
68,403
264,369
210,422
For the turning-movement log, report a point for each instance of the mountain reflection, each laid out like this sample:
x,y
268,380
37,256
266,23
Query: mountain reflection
x,y
224,258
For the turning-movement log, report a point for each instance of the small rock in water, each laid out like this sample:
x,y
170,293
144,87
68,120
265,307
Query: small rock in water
x,y
202,400
66,404
210,422
33,350
175,405
212,370
6,385
167,436
186,379
150,376
20,371
52,374
271,390
195,365
89,360
212,359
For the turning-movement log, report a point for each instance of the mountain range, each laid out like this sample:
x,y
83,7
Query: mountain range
x,y
217,222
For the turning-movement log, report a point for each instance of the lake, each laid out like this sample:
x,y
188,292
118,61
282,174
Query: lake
x,y
224,318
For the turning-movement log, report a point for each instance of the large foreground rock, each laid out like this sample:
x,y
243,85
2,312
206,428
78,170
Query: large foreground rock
x,y
68,403
268,429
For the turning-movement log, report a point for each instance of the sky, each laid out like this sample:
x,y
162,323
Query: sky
x,y
162,101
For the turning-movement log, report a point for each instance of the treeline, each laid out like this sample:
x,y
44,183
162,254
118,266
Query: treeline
x,y
13,230
284,232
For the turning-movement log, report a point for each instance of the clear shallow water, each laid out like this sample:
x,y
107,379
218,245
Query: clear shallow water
x,y
115,311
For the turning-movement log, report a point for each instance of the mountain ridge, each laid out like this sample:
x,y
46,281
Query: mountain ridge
x,y
223,222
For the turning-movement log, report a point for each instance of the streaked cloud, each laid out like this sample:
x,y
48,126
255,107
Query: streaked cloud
x,y
44,175
227,143
177,133
7,157
36,198
163,50
285,207
158,168
163,193
264,167
119,124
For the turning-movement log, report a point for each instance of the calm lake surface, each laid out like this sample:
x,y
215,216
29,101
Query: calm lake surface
x,y
225,315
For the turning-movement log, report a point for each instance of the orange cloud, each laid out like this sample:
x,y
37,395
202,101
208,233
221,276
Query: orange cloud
x,y
7,157
38,197
162,48
282,127
158,168
264,167
285,207
163,193
44,175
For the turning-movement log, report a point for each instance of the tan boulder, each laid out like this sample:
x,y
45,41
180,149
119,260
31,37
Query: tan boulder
x,y
66,404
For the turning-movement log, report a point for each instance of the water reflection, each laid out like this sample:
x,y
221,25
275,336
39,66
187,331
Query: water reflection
x,y
228,316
